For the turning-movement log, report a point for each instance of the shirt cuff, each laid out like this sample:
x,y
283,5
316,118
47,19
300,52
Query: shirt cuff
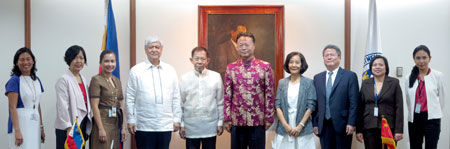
x,y
177,120
131,121
182,124
226,118
220,123
67,125
269,120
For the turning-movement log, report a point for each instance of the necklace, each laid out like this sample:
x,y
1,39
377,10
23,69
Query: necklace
x,y
32,88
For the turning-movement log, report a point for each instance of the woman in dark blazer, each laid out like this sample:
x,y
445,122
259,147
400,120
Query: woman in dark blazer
x,y
295,101
381,96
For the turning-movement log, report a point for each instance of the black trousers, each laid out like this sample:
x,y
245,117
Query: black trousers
x,y
61,135
422,127
372,138
153,140
329,139
207,143
253,137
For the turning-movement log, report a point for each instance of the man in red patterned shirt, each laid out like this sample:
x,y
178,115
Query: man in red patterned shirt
x,y
249,97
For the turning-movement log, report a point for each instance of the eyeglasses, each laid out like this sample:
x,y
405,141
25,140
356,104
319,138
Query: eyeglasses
x,y
197,59
151,47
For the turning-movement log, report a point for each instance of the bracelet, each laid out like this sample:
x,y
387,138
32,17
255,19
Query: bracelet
x,y
42,126
303,125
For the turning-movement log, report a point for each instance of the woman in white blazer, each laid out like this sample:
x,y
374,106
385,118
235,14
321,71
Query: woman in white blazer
x,y
425,100
72,97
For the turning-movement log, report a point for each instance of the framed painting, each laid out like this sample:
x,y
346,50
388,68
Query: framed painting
x,y
218,27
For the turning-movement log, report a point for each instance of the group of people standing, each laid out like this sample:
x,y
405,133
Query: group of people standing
x,y
200,107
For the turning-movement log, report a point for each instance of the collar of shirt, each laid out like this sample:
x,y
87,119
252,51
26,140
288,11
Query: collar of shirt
x,y
333,76
248,62
420,79
150,65
204,73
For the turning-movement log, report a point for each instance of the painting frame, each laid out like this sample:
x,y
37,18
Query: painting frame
x,y
277,10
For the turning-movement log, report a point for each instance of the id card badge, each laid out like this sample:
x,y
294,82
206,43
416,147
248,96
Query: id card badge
x,y
113,112
375,111
34,117
417,110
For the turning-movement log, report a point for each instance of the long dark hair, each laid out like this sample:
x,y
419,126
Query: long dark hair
x,y
415,70
16,70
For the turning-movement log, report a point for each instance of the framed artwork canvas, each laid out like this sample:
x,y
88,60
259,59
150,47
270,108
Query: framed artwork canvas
x,y
219,26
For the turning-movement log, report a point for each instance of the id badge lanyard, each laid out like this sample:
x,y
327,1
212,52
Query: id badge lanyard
x,y
418,105
375,109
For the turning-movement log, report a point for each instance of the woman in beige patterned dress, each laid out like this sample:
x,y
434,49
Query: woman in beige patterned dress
x,y
107,105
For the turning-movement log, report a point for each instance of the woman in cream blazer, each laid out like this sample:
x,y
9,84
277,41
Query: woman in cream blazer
x,y
425,99
72,98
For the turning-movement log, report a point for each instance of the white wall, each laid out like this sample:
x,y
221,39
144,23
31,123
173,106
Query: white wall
x,y
309,26
403,26
12,37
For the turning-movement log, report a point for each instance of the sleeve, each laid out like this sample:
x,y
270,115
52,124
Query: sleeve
x,y
183,99
94,88
353,95
398,108
176,101
270,99
131,98
311,97
408,101
62,103
40,83
228,95
315,115
361,108
219,98
119,83
442,86
12,85
278,97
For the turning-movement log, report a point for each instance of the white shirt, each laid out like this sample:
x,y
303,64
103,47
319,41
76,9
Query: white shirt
x,y
333,77
202,102
435,89
153,97
293,98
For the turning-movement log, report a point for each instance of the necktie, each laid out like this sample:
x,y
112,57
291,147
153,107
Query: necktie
x,y
327,99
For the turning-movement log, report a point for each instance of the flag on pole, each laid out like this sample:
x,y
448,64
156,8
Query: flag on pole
x,y
110,36
75,138
373,44
386,134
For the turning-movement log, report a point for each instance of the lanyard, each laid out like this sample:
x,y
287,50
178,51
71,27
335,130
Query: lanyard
x,y
420,87
376,93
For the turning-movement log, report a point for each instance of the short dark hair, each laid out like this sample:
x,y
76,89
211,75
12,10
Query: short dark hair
x,y
16,70
385,63
330,46
104,52
304,66
246,34
72,52
198,49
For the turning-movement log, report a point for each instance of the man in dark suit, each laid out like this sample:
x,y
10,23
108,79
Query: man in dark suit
x,y
337,101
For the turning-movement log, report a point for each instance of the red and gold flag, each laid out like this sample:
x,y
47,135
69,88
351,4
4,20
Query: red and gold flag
x,y
386,134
